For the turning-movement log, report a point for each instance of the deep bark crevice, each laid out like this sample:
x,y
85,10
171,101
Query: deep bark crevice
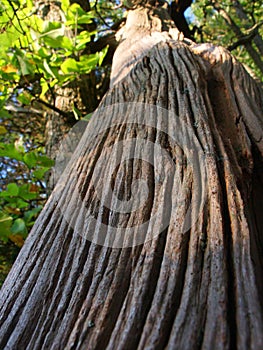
x,y
231,278
255,206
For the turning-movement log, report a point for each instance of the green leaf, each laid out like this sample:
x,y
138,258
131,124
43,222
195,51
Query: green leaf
x,y
76,112
12,189
82,39
26,194
48,69
25,65
53,29
3,130
40,173
5,115
52,42
5,226
21,204
65,4
46,86
45,161
4,194
76,15
8,38
30,159
10,151
85,19
43,52
70,66
31,214
66,43
25,98
103,54
61,42
89,62
3,98
19,226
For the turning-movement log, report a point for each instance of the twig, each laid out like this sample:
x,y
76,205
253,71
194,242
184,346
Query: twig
x,y
99,15
251,33
54,108
18,19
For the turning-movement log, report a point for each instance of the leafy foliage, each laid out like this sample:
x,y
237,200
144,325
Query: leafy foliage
x,y
36,50
221,27
22,200
36,56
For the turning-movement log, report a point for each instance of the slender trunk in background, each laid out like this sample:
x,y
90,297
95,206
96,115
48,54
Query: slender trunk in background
x,y
80,94
152,238
254,54
244,17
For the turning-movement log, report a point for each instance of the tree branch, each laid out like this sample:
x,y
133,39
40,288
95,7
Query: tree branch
x,y
18,19
246,38
243,15
54,108
177,9
99,15
231,23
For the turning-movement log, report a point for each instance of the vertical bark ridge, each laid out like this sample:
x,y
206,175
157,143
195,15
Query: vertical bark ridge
x,y
145,273
238,192
33,303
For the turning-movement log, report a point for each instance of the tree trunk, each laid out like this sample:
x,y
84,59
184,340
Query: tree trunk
x,y
152,238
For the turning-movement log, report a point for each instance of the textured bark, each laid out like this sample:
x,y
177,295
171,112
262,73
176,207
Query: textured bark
x,y
199,288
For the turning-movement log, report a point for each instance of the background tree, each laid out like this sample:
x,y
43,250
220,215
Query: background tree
x,y
191,280
236,25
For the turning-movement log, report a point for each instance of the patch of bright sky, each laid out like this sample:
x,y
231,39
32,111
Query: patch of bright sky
x,y
190,17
